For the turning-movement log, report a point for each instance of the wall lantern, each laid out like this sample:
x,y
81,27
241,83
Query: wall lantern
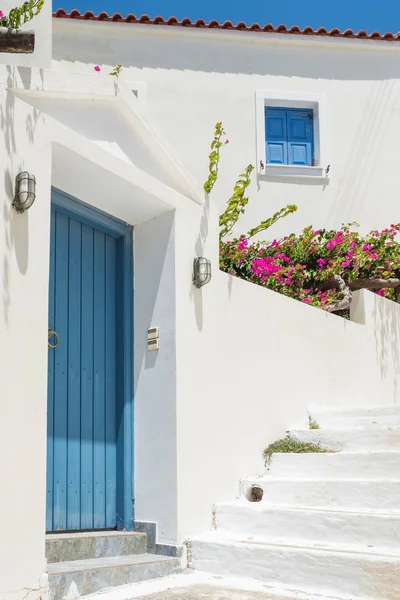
x,y
25,194
201,271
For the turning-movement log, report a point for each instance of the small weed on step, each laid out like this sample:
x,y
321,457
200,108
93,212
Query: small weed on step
x,y
290,444
312,423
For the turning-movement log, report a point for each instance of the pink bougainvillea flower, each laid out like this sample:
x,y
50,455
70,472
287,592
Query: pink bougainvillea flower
x,y
97,68
381,292
367,247
321,262
1,14
226,142
242,243
345,263
306,300
373,256
332,243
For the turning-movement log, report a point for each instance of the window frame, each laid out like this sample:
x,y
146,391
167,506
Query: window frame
x,y
287,100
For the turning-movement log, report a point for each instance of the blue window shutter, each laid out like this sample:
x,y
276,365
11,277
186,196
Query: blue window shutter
x,y
276,136
300,137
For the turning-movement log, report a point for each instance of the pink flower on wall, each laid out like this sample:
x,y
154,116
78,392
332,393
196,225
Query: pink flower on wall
x,y
1,14
97,68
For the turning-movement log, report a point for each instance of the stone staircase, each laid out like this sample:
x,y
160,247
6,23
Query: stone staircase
x,y
328,525
83,563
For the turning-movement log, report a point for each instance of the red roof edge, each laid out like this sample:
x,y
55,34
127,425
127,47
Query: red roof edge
x,y
227,25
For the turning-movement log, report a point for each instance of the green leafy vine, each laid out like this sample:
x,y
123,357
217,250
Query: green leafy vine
x,y
116,71
214,157
21,14
236,203
281,214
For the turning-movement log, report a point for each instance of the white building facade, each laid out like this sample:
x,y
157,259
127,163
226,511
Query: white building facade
x,y
106,253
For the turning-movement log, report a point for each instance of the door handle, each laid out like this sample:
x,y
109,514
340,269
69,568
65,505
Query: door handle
x,y
52,333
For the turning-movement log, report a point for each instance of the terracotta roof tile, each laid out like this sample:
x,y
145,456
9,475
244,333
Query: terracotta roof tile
x,y
228,25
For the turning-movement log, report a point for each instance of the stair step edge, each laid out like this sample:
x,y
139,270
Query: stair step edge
x,y
261,507
275,479
91,564
356,549
66,535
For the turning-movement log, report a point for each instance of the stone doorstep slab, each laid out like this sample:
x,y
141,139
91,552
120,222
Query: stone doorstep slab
x,y
84,577
86,545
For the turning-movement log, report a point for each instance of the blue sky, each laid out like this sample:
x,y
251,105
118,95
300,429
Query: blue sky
x,y
354,14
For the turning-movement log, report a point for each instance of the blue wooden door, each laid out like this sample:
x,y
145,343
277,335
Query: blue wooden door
x,y
83,414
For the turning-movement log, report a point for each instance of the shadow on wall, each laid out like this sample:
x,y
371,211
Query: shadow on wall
x,y
195,53
371,132
386,321
197,293
16,240
16,227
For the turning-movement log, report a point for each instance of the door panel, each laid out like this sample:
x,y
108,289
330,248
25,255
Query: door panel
x,y
82,377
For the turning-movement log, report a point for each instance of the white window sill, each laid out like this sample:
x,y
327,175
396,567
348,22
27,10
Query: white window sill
x,y
293,171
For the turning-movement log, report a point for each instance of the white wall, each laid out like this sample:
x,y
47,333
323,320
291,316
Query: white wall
x,y
263,361
28,142
24,272
155,376
211,399
251,363
197,77
248,362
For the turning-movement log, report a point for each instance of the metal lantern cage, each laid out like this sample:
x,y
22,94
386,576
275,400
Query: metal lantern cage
x,y
201,271
25,191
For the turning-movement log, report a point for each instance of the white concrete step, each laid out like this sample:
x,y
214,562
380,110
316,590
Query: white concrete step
x,y
352,465
84,577
319,493
362,574
373,411
329,422
379,439
385,416
255,520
